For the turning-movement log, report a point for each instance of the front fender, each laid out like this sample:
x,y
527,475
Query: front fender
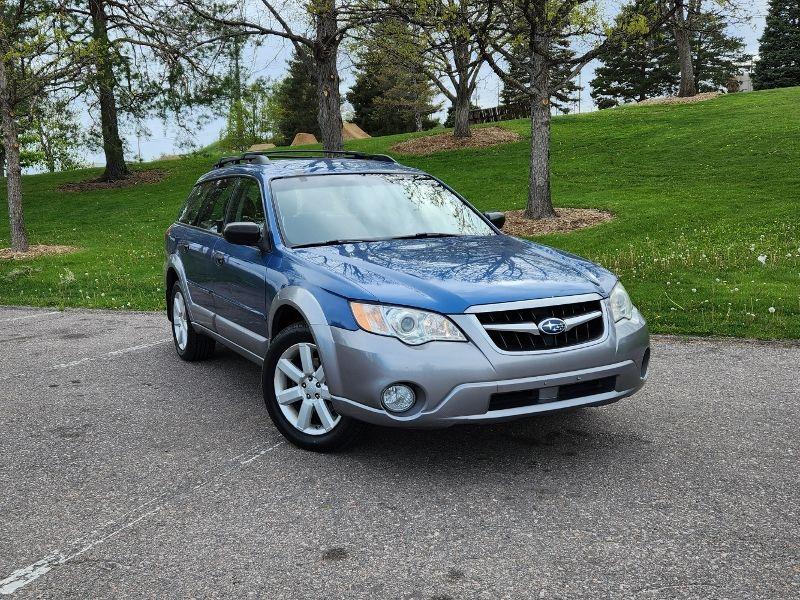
x,y
174,264
321,310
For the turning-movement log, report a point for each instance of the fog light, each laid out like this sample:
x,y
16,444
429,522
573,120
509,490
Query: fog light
x,y
398,398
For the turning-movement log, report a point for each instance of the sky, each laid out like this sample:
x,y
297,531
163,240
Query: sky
x,y
270,59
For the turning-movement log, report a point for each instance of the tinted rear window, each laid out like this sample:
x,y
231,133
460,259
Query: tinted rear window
x,y
215,200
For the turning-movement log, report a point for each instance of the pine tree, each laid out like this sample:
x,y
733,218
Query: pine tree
x,y
642,66
715,54
779,61
391,93
561,97
296,100
647,65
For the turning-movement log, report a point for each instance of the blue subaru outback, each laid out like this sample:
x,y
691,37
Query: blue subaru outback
x,y
369,291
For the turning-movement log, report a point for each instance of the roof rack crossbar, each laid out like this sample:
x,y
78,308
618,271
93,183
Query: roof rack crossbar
x,y
263,157
247,158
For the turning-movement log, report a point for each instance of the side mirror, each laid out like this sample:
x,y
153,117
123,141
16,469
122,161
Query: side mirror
x,y
497,219
243,233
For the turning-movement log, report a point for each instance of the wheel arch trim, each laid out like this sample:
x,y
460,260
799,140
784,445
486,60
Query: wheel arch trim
x,y
304,302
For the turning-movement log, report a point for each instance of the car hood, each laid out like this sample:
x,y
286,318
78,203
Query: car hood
x,y
451,274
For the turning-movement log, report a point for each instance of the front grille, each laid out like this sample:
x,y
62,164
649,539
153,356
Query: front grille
x,y
570,391
520,340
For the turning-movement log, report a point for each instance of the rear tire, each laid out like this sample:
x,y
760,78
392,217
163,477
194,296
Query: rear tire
x,y
189,344
297,397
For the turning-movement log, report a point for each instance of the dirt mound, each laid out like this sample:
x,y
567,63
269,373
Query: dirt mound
x,y
679,100
302,139
34,251
568,219
261,147
135,178
351,131
482,137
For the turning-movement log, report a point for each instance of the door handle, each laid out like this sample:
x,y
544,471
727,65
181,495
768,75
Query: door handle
x,y
219,258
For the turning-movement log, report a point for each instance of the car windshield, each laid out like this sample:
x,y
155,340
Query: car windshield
x,y
326,209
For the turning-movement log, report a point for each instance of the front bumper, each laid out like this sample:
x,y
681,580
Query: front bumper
x,y
455,381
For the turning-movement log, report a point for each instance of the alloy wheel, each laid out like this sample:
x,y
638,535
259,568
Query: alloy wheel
x,y
302,392
180,322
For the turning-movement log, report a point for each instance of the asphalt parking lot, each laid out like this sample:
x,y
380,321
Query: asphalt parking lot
x,y
127,473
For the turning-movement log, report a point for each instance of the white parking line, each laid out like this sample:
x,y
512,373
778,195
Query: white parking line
x,y
260,453
81,361
25,575
38,314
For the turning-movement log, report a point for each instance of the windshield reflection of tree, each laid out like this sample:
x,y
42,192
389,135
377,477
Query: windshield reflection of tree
x,y
423,192
381,206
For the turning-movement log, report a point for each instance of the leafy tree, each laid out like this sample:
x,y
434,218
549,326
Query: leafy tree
x,y
541,27
295,99
779,50
453,59
392,96
326,23
49,135
53,135
251,117
104,81
34,61
145,58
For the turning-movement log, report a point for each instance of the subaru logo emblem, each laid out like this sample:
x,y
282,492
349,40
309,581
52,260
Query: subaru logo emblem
x,y
553,326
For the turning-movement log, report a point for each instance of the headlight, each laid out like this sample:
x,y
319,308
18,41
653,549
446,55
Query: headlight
x,y
621,305
406,324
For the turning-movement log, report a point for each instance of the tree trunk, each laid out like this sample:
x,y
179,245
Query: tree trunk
x,y
461,114
683,41
106,84
540,204
16,217
461,55
329,113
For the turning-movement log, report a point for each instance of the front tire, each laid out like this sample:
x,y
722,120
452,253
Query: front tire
x,y
297,396
189,344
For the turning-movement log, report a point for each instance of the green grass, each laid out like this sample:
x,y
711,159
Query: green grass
x,y
699,192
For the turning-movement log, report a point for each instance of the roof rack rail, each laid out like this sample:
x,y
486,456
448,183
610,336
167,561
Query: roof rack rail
x,y
263,157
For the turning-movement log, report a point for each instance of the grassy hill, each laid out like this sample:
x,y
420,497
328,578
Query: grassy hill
x,y
699,192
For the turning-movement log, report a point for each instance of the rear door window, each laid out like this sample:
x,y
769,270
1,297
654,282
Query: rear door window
x,y
191,206
247,206
218,193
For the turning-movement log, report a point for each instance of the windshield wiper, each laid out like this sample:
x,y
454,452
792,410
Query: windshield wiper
x,y
413,236
419,236
330,243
